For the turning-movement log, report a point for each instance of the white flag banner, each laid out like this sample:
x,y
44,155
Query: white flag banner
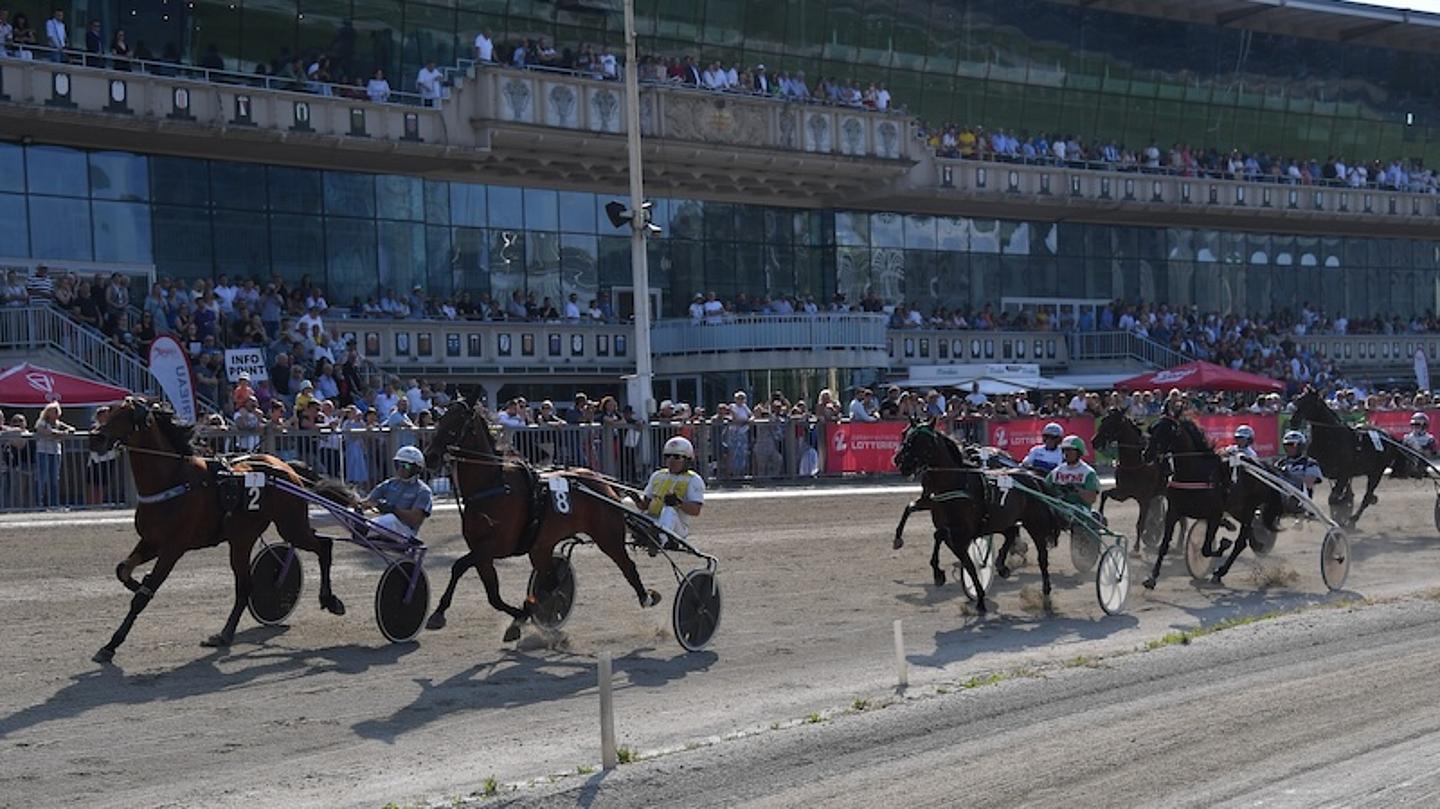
x,y
171,367
1422,370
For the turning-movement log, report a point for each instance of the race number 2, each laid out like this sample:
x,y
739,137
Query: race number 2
x,y
254,482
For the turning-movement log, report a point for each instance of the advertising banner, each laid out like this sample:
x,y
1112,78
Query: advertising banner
x,y
171,368
862,446
1221,431
246,360
1017,436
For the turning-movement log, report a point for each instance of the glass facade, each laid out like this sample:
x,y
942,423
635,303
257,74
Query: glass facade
x,y
358,233
1023,64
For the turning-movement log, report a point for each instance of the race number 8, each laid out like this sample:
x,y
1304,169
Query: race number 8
x,y
562,502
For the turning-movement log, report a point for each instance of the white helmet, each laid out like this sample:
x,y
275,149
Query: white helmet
x,y
679,445
1053,429
410,454
1244,431
1420,418
1294,437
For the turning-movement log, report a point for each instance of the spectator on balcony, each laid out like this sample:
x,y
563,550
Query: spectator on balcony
x,y
378,89
117,294
15,293
119,51
94,45
484,47
714,77
882,97
427,82
762,83
57,39
609,68
22,37
7,36
211,59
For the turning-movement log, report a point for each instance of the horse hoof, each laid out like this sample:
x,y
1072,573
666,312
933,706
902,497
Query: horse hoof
x,y
651,598
939,578
105,655
332,605
1002,571
899,543
980,606
1149,583
215,642
1217,579
512,632
437,621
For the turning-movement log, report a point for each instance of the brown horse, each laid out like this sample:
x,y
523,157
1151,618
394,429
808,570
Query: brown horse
x,y
183,508
506,510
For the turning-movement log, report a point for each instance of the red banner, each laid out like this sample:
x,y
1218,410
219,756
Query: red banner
x,y
860,446
1397,422
1221,431
1017,436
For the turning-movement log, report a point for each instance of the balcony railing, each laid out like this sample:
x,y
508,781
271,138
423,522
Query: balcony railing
x,y
477,347
818,332
908,347
1123,345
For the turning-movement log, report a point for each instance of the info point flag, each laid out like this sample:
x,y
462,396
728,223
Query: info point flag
x,y
171,367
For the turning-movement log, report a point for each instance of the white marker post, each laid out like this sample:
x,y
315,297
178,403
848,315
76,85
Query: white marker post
x,y
902,670
608,757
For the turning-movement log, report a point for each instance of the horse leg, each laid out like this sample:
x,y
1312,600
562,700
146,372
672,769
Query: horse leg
x,y
308,540
613,546
486,568
1370,499
437,618
1001,569
142,554
1105,495
941,535
961,550
1241,542
904,517
1171,518
1042,547
240,566
143,593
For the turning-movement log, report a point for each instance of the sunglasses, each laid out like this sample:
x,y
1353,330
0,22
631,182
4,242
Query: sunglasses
x,y
673,457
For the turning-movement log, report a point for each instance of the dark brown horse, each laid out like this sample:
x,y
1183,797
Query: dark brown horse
x,y
1135,478
507,510
184,507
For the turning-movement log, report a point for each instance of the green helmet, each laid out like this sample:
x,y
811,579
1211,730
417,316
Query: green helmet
x,y
1074,442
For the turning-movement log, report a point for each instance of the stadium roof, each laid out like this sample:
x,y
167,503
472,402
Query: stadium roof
x,y
1336,20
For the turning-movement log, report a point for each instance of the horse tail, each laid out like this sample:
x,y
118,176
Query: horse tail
x,y
334,491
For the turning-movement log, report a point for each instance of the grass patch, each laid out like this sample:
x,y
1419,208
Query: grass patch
x,y
860,705
1184,637
1081,661
814,719
490,787
977,681
942,690
584,769
624,754
774,725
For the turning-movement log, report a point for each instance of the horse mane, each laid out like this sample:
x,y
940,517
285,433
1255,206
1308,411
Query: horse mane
x,y
180,436
1322,411
1196,435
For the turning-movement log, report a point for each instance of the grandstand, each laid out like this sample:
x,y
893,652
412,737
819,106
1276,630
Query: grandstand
x,y
248,139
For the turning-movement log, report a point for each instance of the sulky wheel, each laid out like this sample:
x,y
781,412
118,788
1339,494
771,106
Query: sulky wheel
x,y
552,606
1335,559
1112,580
275,584
1154,528
400,618
1199,565
1084,548
1262,539
1437,511
696,612
982,552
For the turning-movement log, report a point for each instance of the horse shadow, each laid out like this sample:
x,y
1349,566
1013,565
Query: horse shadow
x,y
1017,633
269,665
1227,605
1370,546
518,679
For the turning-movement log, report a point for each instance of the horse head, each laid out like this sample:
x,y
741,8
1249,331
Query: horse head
x,y
138,421
1116,428
449,431
921,447
1310,407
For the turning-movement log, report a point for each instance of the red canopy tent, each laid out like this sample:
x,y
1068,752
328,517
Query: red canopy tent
x,y
1202,376
27,385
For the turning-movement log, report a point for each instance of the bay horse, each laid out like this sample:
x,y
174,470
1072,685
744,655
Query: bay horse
x,y
506,510
1135,478
183,507
1202,488
1344,453
956,492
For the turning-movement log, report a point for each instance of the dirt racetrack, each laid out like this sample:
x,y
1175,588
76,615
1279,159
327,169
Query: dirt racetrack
x,y
326,713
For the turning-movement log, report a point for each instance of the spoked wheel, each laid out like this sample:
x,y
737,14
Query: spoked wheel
x,y
1199,565
1084,548
695,614
982,552
276,581
1154,528
553,606
1112,580
1437,511
1262,539
1335,559
400,618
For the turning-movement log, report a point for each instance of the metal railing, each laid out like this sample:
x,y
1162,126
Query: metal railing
x,y
71,57
41,327
1122,345
818,332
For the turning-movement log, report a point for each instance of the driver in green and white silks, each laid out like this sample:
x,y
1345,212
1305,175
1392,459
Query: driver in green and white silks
x,y
1299,468
1076,479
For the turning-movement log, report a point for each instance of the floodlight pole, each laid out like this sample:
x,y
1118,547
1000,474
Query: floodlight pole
x,y
642,386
